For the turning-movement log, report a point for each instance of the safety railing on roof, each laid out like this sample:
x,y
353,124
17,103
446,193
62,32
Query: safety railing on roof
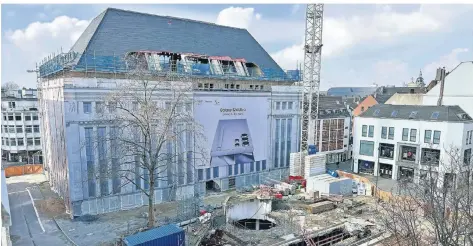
x,y
91,63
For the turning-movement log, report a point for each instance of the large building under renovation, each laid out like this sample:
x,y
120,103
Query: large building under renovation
x,y
232,71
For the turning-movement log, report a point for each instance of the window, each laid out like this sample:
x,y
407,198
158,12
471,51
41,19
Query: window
x,y
215,169
366,148
435,115
28,129
413,135
35,117
371,131
278,105
21,142
467,156
11,129
405,134
394,113
10,117
436,137
251,87
99,107
230,170
18,117
252,167
3,141
11,105
430,157
408,153
384,132
289,105
29,141
236,169
19,129
207,173
261,87
200,174
87,107
112,107
413,115
376,112
242,168
36,128
391,133
263,165
427,136
37,141
364,130
256,87
27,117
237,86
284,106
12,141
386,151
258,166
467,137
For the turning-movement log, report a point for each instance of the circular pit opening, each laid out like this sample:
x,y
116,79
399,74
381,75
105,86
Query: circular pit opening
x,y
255,224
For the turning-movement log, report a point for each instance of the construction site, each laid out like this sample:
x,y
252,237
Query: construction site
x,y
284,213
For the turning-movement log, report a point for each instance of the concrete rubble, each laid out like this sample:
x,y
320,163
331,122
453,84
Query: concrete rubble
x,y
270,215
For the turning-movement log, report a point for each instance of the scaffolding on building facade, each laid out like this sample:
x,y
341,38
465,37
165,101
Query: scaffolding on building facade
x,y
158,64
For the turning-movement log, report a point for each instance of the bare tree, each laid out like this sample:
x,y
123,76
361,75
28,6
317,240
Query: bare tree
x,y
152,134
9,86
436,209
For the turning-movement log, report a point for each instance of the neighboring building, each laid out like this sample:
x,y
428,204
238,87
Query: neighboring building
x,y
458,88
351,92
401,141
334,129
405,99
418,83
232,71
21,137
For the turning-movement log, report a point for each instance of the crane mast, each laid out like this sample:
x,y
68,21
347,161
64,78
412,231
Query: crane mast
x,y
311,74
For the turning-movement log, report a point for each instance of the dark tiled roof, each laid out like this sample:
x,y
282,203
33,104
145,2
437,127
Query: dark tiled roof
x,y
330,102
115,32
381,98
424,113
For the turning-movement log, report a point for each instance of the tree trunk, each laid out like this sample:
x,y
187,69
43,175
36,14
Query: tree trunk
x,y
151,206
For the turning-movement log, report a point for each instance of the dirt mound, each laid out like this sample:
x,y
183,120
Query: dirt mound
x,y
51,207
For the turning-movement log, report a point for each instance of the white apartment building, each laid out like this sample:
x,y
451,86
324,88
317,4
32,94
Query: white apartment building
x,y
401,141
21,134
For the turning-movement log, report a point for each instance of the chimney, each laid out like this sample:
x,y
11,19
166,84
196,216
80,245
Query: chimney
x,y
440,77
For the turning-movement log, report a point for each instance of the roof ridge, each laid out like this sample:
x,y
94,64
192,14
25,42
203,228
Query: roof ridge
x,y
172,17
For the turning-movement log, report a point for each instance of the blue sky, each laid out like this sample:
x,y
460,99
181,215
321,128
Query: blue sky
x,y
363,44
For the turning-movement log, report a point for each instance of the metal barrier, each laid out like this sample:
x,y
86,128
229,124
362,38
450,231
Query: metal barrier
x,y
23,169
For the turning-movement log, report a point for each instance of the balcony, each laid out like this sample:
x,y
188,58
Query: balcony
x,y
408,153
430,157
386,151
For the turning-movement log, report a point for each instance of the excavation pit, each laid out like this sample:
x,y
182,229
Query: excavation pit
x,y
254,224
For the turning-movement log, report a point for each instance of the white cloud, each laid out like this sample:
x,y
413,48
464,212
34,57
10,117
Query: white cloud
x,y
237,17
385,24
390,72
39,39
449,61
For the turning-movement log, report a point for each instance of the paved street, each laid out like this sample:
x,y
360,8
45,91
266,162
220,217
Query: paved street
x,y
27,228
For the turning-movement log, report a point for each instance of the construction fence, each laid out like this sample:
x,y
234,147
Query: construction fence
x,y
19,170
376,191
